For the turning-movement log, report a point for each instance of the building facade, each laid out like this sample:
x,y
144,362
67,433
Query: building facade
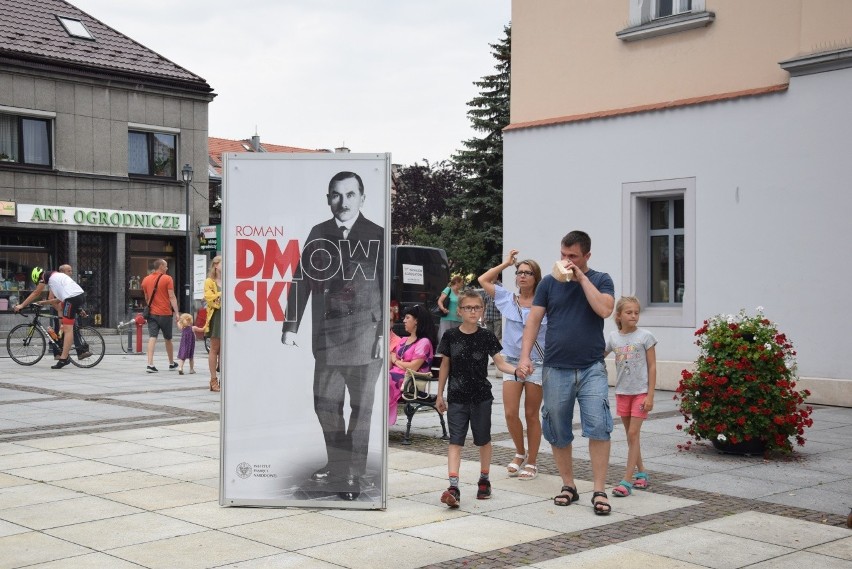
x,y
94,132
704,146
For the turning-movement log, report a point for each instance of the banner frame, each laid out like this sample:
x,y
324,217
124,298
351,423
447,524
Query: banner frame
x,y
232,160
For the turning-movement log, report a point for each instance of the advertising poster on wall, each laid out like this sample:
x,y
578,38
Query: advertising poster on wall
x,y
305,330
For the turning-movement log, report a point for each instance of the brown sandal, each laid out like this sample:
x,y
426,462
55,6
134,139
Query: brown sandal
x,y
214,384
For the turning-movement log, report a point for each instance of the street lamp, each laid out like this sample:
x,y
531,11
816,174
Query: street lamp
x,y
186,174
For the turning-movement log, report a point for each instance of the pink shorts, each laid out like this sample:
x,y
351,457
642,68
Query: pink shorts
x,y
630,405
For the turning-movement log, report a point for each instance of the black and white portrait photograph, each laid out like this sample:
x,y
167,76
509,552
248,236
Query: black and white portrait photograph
x,y
304,333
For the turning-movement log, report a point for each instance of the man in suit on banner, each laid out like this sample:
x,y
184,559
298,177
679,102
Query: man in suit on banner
x,y
341,271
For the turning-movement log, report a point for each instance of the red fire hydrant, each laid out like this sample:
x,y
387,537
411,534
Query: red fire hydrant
x,y
140,321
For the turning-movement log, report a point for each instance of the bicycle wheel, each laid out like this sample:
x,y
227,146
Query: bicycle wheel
x,y
26,344
94,342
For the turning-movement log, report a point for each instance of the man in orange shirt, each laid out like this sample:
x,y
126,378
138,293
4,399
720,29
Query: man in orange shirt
x,y
159,291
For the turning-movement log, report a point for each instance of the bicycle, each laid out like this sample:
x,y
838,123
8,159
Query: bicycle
x,y
27,343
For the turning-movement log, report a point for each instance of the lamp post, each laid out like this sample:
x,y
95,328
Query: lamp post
x,y
186,174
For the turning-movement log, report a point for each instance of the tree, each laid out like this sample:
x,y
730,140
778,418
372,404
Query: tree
x,y
458,205
422,192
480,162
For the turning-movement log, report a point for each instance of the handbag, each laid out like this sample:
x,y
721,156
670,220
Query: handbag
x,y
146,312
436,311
416,386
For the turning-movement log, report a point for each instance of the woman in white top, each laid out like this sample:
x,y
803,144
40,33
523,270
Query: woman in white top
x,y
515,309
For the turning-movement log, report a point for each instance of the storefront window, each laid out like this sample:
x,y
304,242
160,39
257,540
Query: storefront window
x,y
20,252
141,255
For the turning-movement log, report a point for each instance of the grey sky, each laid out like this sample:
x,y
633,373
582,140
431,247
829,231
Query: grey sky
x,y
373,75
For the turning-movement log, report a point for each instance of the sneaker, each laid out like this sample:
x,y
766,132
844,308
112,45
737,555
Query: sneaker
x,y
84,355
61,363
151,369
451,497
483,491
173,366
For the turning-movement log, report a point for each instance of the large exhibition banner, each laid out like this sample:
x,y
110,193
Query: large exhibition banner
x,y
305,330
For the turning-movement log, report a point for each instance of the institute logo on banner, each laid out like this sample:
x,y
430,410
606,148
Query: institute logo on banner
x,y
244,470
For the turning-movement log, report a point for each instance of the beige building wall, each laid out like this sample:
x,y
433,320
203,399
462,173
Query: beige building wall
x,y
567,60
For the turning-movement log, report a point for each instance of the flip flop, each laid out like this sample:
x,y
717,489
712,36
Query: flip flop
x,y
567,495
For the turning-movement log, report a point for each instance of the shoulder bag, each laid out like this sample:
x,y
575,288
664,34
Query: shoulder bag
x,y
146,312
521,314
416,386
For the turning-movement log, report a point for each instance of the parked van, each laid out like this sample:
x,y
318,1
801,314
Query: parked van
x,y
418,276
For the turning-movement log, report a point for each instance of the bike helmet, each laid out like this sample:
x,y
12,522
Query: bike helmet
x,y
36,274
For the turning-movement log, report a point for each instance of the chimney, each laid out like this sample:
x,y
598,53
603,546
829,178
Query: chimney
x,y
341,150
255,142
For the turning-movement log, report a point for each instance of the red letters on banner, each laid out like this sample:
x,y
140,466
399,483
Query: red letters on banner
x,y
265,272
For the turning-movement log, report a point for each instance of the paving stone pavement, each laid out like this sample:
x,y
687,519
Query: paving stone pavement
x,y
113,467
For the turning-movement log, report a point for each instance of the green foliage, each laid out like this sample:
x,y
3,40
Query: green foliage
x,y
743,384
480,162
459,238
422,192
458,205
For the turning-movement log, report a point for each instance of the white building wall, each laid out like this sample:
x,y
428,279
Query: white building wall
x,y
773,187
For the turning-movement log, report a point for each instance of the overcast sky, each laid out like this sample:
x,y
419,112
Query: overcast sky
x,y
373,75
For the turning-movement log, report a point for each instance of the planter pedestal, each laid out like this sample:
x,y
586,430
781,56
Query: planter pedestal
x,y
754,447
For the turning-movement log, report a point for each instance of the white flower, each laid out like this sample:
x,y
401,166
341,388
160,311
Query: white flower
x,y
721,437
759,309
767,345
730,319
697,394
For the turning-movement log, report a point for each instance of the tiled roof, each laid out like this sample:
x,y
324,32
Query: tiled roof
x,y
30,29
218,146
652,107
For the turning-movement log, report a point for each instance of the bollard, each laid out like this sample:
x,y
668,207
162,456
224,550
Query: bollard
x,y
129,337
140,321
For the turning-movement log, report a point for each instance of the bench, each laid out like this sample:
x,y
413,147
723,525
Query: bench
x,y
411,407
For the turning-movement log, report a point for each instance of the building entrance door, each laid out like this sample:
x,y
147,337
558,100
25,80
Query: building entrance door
x,y
93,261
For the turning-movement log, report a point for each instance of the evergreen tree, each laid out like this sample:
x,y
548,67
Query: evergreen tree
x,y
480,162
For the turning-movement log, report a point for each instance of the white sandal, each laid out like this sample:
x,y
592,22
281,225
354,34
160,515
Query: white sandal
x,y
529,472
513,467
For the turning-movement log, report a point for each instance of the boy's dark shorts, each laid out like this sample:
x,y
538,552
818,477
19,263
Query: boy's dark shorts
x,y
475,415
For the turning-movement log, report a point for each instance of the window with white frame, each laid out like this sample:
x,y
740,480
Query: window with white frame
x,y
658,249
25,140
654,18
665,8
151,153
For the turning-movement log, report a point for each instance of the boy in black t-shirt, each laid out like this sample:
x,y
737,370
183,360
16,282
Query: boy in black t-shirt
x,y
465,352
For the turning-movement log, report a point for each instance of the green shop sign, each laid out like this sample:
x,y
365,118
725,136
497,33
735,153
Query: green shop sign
x,y
110,218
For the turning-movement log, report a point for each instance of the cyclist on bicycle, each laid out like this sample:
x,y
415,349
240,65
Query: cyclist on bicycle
x,y
72,297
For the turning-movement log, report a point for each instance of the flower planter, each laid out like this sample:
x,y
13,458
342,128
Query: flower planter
x,y
754,447
743,385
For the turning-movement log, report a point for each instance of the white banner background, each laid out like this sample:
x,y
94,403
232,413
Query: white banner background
x,y
271,438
